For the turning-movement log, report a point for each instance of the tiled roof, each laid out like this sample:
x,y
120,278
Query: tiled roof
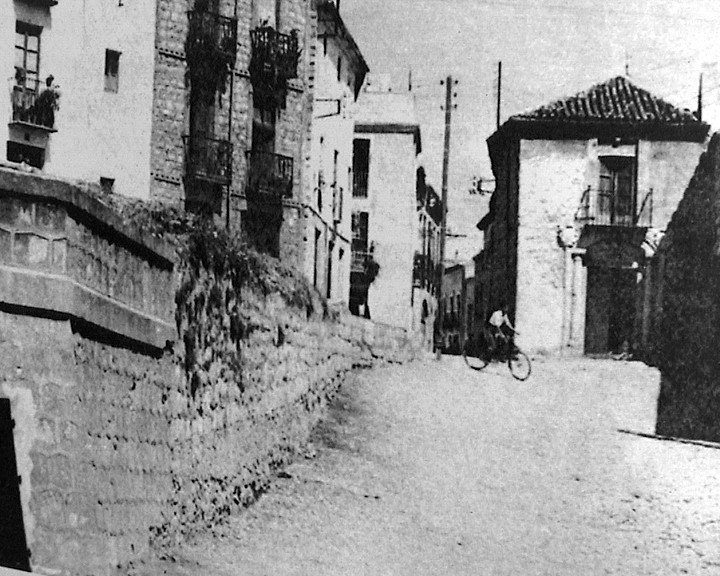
x,y
617,100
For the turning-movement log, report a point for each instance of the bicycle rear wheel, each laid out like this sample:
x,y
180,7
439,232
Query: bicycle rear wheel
x,y
473,356
519,365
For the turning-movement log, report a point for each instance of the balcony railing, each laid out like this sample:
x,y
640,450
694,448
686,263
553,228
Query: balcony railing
x,y
269,174
208,159
606,208
274,61
210,33
358,262
274,53
360,184
34,105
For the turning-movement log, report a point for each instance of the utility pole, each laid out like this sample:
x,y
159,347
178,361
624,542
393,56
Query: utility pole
x,y
699,109
449,84
499,94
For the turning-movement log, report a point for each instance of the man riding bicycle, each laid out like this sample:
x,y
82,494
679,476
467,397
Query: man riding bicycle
x,y
500,329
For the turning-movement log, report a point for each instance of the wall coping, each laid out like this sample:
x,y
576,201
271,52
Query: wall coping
x,y
72,196
38,275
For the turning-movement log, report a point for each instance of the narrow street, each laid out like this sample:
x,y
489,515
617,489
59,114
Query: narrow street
x,y
430,468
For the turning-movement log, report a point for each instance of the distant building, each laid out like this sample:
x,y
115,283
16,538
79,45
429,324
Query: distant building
x,y
426,265
453,303
339,75
384,211
583,186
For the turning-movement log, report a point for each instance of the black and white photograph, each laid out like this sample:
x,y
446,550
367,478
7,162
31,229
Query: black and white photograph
x,y
360,288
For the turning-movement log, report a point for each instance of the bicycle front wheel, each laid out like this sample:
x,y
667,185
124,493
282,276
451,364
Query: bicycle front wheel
x,y
519,365
473,356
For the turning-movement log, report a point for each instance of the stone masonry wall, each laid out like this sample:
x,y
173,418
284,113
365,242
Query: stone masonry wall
x,y
171,105
686,335
123,441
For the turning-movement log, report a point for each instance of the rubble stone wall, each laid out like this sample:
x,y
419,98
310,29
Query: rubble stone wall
x,y
116,447
686,296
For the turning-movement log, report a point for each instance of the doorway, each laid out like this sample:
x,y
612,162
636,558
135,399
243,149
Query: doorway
x,y
610,310
13,544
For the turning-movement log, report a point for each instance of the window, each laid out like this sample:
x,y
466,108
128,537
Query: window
x,y
27,55
107,185
32,155
617,190
339,68
361,167
112,70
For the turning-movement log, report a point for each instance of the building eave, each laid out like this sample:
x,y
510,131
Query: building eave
x,y
328,12
391,128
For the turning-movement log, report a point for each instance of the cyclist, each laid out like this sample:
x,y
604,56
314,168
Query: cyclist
x,y
500,328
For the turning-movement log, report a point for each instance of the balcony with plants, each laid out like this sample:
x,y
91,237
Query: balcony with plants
x,y
274,61
34,103
210,50
269,176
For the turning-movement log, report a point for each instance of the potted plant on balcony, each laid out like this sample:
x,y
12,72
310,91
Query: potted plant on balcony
x,y
47,103
210,57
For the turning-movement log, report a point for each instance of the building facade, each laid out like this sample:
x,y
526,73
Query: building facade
x,y
205,105
584,187
426,267
339,74
384,211
77,74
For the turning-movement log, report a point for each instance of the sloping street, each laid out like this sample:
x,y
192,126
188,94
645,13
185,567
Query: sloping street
x,y
430,468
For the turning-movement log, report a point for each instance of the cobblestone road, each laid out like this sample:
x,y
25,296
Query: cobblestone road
x,y
431,468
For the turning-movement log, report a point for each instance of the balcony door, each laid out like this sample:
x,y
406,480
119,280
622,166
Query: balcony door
x,y
617,190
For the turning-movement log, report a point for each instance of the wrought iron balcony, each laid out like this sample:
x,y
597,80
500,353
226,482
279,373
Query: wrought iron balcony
x,y
34,106
269,175
607,208
211,34
274,61
208,159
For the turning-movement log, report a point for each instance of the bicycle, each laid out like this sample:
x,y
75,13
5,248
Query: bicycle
x,y
479,352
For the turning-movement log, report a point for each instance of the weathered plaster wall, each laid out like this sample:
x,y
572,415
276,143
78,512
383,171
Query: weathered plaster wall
x,y
666,168
392,225
553,175
94,137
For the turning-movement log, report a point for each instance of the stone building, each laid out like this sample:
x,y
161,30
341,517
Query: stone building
x,y
685,301
584,186
232,111
205,105
340,71
384,212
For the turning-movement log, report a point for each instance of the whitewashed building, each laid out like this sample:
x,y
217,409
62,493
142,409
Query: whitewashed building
x,y
584,187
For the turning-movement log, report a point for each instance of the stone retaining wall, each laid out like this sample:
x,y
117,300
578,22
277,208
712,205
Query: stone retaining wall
x,y
115,449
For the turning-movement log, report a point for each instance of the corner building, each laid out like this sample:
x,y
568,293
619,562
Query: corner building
x,y
585,188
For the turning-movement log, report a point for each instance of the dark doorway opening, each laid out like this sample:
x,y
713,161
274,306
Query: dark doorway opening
x,y
610,310
13,544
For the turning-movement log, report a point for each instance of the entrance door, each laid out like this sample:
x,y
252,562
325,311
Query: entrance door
x,y
610,309
622,309
13,546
